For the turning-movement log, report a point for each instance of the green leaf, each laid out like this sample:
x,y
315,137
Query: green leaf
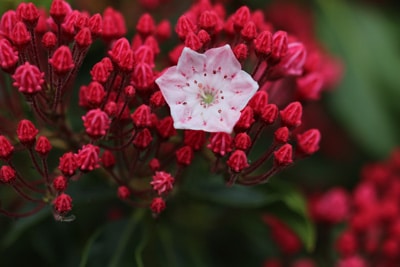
x,y
365,44
294,213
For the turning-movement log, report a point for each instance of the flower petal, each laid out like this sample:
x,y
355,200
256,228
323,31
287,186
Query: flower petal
x,y
241,90
191,62
223,60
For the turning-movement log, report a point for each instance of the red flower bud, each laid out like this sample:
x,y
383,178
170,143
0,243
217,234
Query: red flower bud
x,y
154,164
7,174
184,155
58,10
62,203
309,86
43,146
220,143
20,35
249,31
94,94
162,182
8,56
95,25
6,148
279,45
28,79
204,37
157,205
141,117
241,17
26,132
291,115
246,119
123,192
108,159
143,139
146,25
142,76
62,61
308,142
193,41
7,22
208,20
263,44
283,156
242,141
49,40
96,123
269,114
165,127
241,52
259,102
113,24
60,183
68,163
83,38
281,135
237,161
184,26
88,157
28,13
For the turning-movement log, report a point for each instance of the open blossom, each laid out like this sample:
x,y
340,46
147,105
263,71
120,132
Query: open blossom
x,y
207,91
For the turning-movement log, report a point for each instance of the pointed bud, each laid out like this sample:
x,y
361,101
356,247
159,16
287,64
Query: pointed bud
x,y
108,159
58,10
279,45
43,146
249,31
309,86
194,139
146,25
242,141
241,52
259,102
26,132
162,182
263,44
283,156
20,35
269,114
291,115
184,155
281,135
246,119
208,20
143,139
8,56
220,143
68,163
123,192
7,174
60,183
163,30
165,127
96,123
62,204
28,79
88,158
62,61
6,148
83,38
193,41
184,26
95,25
238,161
241,17
49,40
157,205
308,142
141,117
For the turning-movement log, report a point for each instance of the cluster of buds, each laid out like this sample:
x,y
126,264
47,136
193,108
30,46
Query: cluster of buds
x,y
132,111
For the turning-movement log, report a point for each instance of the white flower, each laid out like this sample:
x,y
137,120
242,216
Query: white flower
x,y
207,91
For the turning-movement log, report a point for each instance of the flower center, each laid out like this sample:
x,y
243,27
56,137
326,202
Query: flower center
x,y
208,98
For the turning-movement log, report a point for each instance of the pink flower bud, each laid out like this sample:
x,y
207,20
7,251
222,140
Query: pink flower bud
x,y
157,205
283,156
141,117
28,79
61,60
237,161
60,183
291,115
88,157
308,142
7,174
146,25
68,163
62,203
43,146
123,192
162,182
184,155
6,148
281,135
26,132
242,141
220,143
96,123
143,139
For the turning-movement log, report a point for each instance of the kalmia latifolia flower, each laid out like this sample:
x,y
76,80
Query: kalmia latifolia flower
x,y
207,91
152,109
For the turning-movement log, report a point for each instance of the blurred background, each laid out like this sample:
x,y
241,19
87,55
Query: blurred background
x,y
217,226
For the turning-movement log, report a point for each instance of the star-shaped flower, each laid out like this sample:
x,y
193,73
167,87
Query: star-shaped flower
x,y
207,91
